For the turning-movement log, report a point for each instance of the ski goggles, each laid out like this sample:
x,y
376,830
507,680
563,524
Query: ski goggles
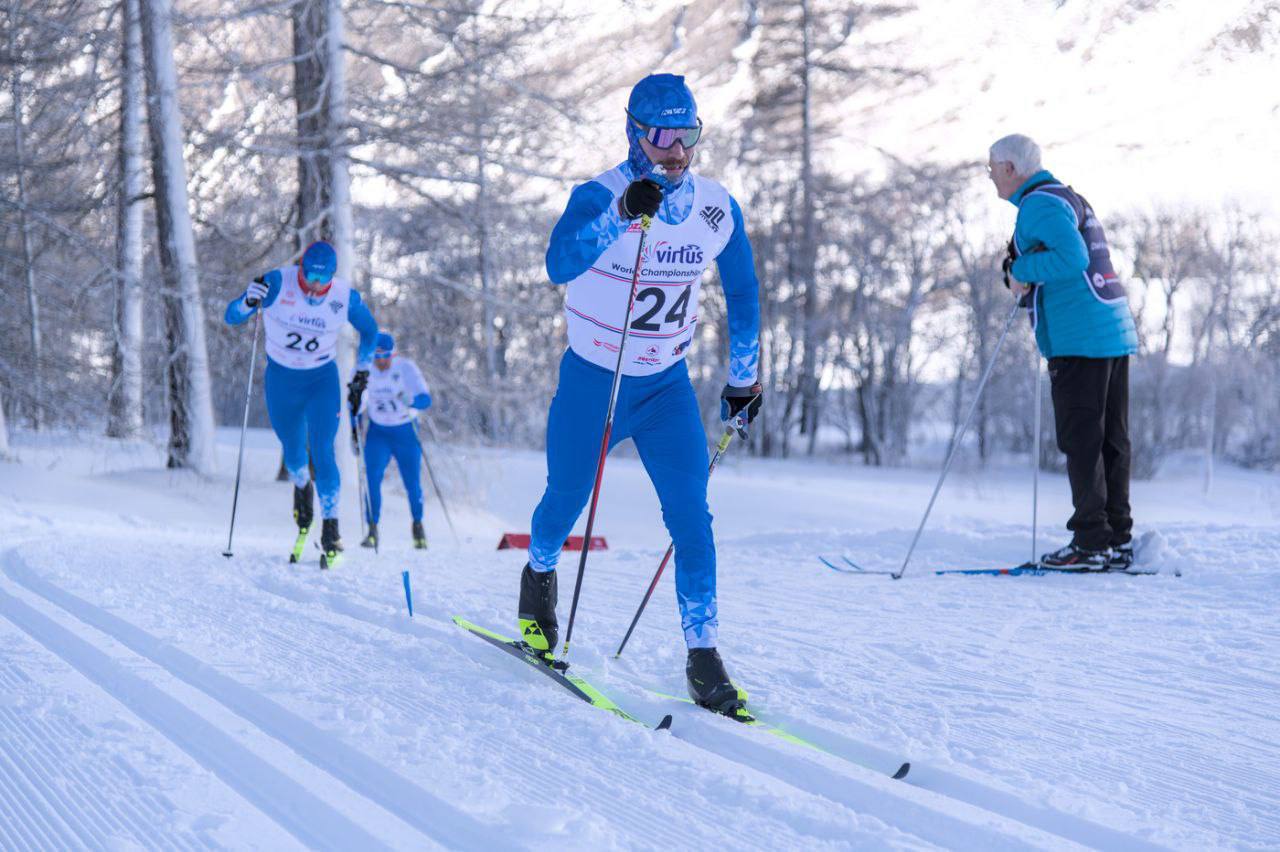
x,y
315,284
663,138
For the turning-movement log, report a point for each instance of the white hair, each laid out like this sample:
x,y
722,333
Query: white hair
x,y
1021,151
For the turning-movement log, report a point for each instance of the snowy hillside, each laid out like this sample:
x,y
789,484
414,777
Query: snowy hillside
x,y
1139,102
156,695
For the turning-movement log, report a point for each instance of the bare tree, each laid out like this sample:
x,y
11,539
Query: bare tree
x,y
17,58
810,52
191,436
1166,260
126,386
311,55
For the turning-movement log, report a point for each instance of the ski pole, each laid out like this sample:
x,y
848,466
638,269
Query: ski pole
x,y
244,424
1035,466
366,504
431,477
645,222
955,445
737,424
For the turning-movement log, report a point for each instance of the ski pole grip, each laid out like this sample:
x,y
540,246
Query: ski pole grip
x,y
252,302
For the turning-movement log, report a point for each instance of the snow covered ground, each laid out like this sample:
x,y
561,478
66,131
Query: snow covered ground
x,y
154,694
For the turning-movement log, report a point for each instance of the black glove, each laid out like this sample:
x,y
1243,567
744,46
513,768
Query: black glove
x,y
733,400
1005,266
641,198
355,390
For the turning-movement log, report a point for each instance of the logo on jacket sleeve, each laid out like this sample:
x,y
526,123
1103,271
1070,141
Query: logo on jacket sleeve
x,y
713,216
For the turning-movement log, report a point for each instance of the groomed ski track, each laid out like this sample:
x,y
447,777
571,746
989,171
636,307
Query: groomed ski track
x,y
155,694
309,818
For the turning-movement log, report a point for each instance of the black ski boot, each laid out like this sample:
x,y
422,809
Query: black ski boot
x,y
419,536
709,684
303,514
330,543
303,498
1121,558
1073,558
537,617
371,540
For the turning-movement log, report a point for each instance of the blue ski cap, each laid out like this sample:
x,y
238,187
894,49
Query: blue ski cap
x,y
319,262
659,100
384,345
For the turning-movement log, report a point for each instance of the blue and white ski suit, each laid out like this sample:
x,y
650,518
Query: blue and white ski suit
x,y
593,250
392,397
303,390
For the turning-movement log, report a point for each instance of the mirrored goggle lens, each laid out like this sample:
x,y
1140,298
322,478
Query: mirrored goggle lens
x,y
665,137
317,278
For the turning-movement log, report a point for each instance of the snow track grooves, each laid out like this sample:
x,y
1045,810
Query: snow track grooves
x,y
307,817
955,824
271,791
29,748
984,796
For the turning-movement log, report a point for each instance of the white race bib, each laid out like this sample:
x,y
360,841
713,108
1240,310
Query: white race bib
x,y
391,390
665,315
301,335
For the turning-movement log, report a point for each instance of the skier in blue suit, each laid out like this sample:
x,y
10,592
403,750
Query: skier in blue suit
x,y
396,391
304,308
592,250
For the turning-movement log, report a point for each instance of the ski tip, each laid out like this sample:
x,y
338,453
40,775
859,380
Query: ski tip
x,y
902,772
665,724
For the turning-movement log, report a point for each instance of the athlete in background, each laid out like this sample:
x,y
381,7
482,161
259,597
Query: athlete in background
x,y
304,308
396,391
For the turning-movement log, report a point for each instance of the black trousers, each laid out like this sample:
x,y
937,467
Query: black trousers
x,y
1091,412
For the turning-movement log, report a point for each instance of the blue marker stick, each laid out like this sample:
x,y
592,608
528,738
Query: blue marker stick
x,y
408,593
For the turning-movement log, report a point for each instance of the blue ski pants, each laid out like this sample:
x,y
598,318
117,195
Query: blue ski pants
x,y
304,407
660,414
381,443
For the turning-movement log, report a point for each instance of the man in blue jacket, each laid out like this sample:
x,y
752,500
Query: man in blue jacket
x,y
1084,328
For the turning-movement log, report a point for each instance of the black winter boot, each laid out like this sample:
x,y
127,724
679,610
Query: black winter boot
x,y
1121,558
1073,558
